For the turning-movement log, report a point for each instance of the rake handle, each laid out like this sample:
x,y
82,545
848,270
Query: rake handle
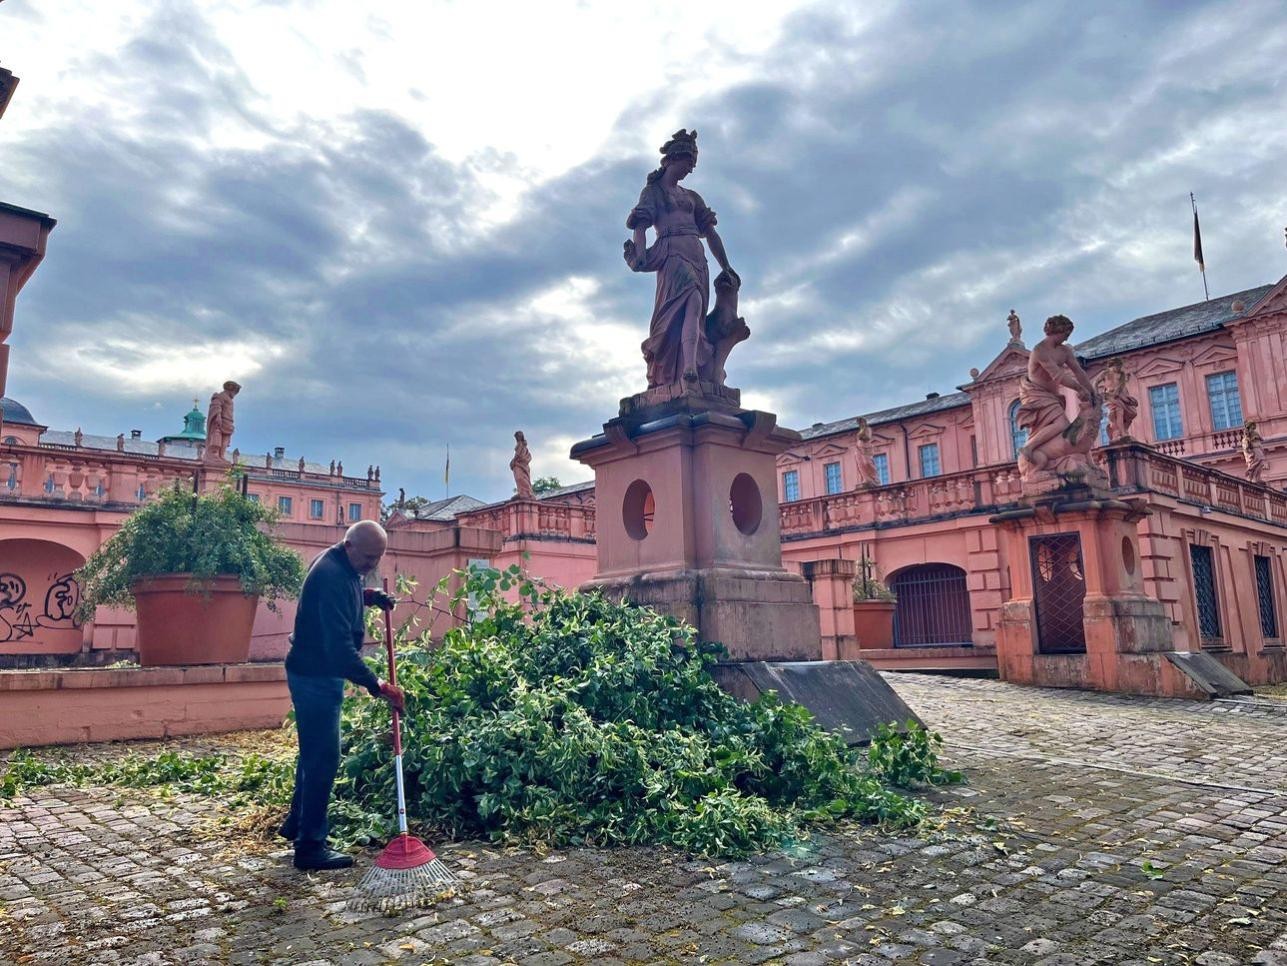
x,y
397,718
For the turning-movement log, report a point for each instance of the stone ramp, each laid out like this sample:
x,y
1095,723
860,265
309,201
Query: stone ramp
x,y
1207,674
847,697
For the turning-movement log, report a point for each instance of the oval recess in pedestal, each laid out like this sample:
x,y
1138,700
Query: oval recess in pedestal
x,y
1128,556
637,510
745,504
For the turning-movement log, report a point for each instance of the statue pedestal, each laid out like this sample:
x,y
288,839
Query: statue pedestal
x,y
687,522
1078,615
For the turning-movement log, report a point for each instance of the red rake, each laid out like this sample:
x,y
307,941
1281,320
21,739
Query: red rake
x,y
406,873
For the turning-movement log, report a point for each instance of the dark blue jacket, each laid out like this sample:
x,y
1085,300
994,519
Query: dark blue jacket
x,y
328,623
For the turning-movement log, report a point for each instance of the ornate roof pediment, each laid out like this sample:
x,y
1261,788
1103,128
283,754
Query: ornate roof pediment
x,y
1159,367
830,449
1213,355
1274,303
1012,362
925,431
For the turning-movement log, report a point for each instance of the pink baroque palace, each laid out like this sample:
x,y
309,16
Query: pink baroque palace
x,y
911,496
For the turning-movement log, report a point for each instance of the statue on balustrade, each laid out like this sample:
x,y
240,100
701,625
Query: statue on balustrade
x,y
1121,406
1253,451
867,474
521,467
219,423
1058,448
685,345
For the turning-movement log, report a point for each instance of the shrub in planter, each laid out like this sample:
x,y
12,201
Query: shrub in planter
x,y
194,567
874,606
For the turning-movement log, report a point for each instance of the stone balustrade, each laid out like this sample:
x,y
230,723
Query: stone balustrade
x,y
973,491
57,473
1133,467
535,518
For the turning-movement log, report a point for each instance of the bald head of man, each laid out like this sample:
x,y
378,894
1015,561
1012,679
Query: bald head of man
x,y
364,544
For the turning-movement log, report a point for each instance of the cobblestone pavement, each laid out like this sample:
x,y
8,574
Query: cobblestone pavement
x,y
1094,829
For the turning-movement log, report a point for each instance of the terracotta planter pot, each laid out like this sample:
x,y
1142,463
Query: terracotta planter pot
x,y
206,627
874,623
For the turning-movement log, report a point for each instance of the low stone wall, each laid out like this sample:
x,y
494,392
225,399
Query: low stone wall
x,y
60,707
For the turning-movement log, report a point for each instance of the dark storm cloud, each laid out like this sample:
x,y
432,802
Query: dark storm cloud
x,y
888,189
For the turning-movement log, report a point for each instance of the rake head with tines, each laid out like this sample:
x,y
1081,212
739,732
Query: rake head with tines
x,y
406,873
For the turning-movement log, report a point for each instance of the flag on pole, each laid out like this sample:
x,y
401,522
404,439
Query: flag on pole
x,y
1197,242
1197,247
446,470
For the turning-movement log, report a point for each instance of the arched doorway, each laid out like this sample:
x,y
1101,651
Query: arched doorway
x,y
37,597
933,606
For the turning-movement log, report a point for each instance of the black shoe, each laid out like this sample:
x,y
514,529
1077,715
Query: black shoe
x,y
322,859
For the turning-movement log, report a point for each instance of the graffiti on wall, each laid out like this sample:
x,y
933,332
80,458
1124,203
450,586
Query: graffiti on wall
x,y
22,615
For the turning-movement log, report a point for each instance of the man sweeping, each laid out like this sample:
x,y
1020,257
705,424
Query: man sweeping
x,y
329,631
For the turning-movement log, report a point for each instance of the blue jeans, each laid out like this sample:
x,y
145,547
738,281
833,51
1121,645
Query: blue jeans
x,y
317,702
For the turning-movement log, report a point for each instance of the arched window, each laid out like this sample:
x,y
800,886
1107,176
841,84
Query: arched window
x,y
1018,437
933,606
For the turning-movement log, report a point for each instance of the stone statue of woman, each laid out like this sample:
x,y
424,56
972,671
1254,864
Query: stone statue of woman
x,y
679,347
1253,451
521,466
868,475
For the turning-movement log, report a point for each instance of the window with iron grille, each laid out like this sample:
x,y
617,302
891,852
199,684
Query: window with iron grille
x,y
790,486
1058,593
1204,589
1018,437
1265,596
834,481
1164,401
882,468
1226,405
929,460
933,606
315,509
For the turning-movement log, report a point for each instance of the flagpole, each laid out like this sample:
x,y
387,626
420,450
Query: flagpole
x,y
1197,248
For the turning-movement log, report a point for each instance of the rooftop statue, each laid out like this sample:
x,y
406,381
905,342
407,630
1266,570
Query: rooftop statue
x,y
867,472
685,344
219,423
1015,327
1121,406
521,467
1058,448
1253,451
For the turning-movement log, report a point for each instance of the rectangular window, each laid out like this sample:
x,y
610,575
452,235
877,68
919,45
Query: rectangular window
x,y
355,512
790,486
1265,595
929,460
834,482
252,497
882,468
1165,403
1204,588
315,509
284,504
1226,405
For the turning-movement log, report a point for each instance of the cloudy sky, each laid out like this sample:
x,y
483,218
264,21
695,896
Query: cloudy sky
x,y
399,225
